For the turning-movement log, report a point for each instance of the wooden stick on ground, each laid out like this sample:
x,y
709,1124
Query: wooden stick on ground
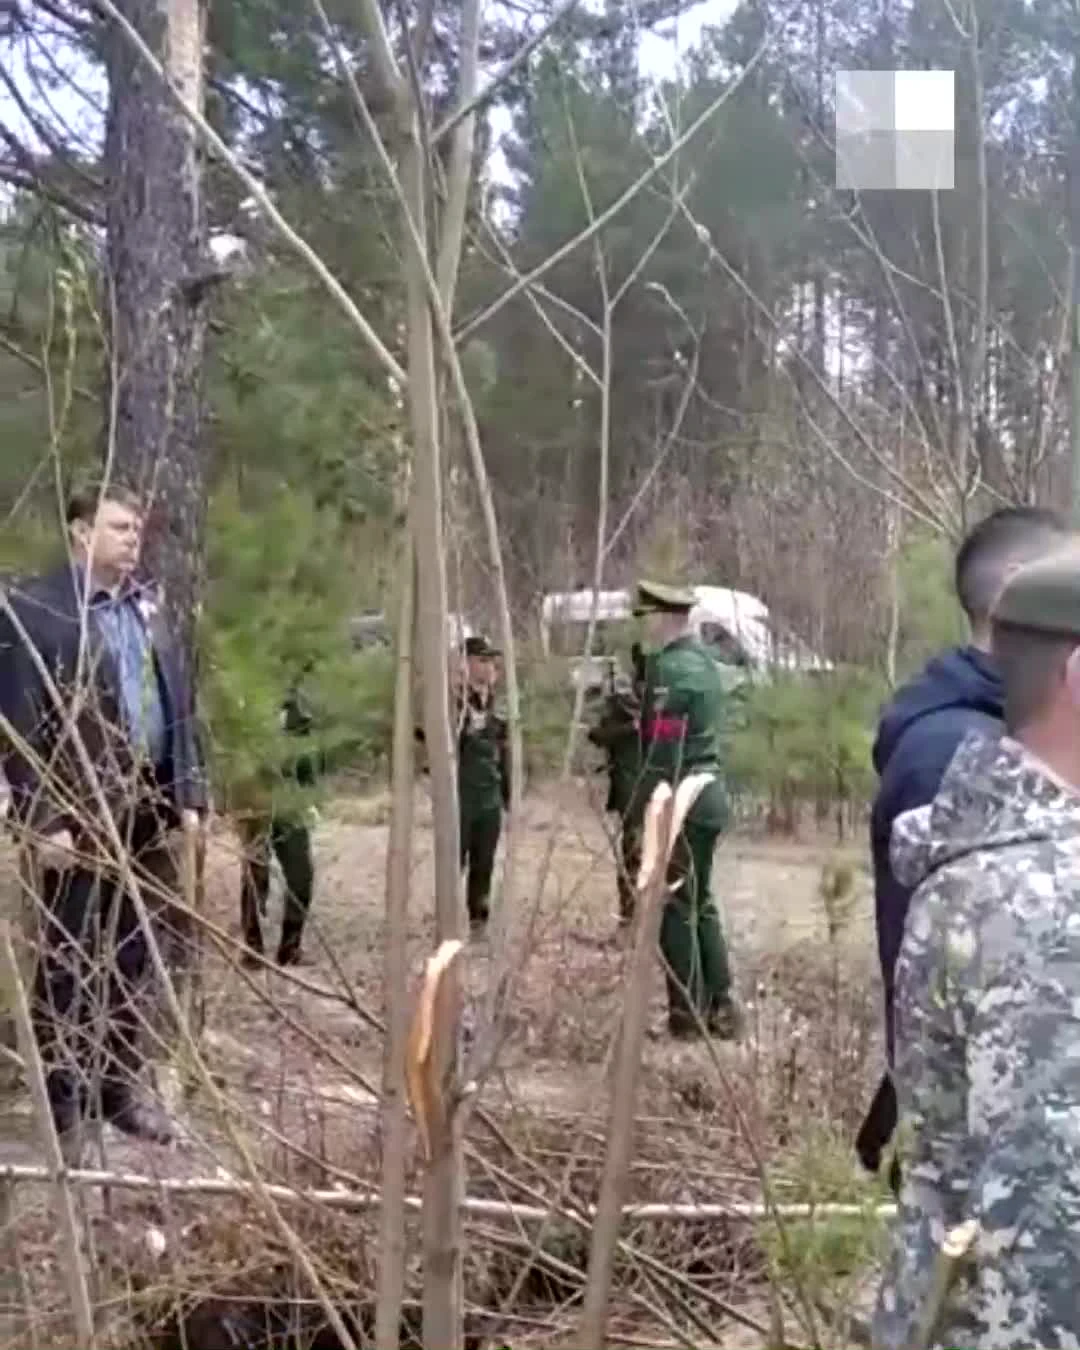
x,y
477,1207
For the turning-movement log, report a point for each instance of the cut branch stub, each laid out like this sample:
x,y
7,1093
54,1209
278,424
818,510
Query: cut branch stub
x,y
687,793
432,1046
656,847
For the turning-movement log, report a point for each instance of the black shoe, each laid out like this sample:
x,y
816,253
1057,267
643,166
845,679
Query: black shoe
x,y
682,1027
725,1022
293,956
139,1120
478,929
252,960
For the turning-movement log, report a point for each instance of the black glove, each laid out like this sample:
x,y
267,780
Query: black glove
x,y
877,1129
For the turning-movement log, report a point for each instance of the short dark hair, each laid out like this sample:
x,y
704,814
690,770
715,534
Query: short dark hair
x,y
83,501
1015,534
1032,665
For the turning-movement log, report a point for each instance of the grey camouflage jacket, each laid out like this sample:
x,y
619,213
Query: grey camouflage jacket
x,y
988,1056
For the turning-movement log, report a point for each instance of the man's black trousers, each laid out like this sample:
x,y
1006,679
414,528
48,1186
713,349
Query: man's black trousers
x,y
89,985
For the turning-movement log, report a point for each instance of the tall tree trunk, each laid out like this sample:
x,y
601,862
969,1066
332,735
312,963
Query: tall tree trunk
x,y
817,351
443,1180
1074,299
392,1117
157,276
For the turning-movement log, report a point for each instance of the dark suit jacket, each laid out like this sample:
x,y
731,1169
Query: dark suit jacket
x,y
49,784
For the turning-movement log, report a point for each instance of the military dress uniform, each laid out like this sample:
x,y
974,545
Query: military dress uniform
x,y
681,708
987,1064
483,786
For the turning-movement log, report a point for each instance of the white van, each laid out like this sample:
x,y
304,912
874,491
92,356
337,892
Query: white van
x,y
735,626
564,625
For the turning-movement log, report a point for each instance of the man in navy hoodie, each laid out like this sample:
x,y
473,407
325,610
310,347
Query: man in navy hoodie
x,y
921,730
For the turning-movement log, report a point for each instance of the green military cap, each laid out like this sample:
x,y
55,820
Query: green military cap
x,y
480,646
655,597
1044,596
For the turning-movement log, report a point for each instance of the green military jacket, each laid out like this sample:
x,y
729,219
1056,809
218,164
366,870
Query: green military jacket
x,y
681,712
483,755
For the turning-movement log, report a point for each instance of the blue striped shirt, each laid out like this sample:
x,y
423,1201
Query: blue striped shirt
x,y
124,632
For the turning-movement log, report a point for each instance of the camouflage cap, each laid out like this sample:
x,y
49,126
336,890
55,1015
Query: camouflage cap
x,y
655,597
1044,596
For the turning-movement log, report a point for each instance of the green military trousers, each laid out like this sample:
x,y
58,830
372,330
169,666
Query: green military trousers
x,y
691,935
627,863
480,830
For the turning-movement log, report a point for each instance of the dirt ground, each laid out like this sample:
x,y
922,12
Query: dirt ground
x,y
298,1060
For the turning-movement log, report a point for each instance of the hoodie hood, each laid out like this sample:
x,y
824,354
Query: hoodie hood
x,y
961,678
994,795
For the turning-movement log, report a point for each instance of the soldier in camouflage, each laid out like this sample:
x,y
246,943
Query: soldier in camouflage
x,y
988,1007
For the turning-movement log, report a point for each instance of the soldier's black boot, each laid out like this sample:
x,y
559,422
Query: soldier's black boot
x,y
725,1021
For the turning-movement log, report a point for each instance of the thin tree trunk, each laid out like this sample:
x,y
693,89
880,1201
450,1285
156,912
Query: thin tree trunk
x,y
1074,297
976,401
158,270
620,1132
444,1176
443,1181
393,1121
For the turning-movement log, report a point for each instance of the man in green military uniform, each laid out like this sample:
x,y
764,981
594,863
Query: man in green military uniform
x,y
483,776
618,734
282,829
680,715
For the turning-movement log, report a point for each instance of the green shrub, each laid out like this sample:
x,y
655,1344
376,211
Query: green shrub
x,y
547,704
276,612
930,618
826,1255
803,739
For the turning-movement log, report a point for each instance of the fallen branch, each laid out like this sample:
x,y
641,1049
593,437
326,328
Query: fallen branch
x,y
478,1207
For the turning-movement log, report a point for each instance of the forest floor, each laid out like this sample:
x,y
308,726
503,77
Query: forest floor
x,y
298,1062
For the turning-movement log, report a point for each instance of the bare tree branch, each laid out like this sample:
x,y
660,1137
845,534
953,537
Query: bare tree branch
x,y
459,174
299,245
33,363
520,57
623,200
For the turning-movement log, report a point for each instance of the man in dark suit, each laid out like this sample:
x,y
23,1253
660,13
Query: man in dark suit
x,y
98,726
